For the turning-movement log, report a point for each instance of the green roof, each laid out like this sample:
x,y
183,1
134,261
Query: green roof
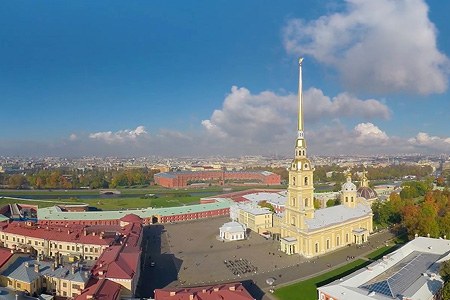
x,y
3,218
55,213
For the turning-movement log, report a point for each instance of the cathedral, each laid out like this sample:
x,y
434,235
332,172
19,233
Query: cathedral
x,y
310,232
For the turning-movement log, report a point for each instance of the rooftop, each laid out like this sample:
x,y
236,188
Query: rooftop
x,y
230,291
336,214
411,272
53,213
75,233
26,269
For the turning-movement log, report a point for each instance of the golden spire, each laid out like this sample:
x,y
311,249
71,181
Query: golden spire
x,y
300,150
300,99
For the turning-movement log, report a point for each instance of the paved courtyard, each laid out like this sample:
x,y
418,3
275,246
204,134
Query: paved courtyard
x,y
189,254
207,259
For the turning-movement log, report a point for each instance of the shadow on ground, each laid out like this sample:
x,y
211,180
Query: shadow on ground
x,y
253,289
157,269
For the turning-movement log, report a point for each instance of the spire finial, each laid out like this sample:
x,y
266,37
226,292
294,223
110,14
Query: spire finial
x,y
300,98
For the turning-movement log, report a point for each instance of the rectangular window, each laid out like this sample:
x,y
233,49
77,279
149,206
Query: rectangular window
x,y
64,284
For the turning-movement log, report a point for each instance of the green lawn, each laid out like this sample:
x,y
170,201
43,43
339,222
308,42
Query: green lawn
x,y
379,253
114,203
307,290
166,197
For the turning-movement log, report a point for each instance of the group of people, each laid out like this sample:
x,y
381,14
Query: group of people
x,y
240,266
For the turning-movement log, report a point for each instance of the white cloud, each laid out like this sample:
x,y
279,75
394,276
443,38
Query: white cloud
x,y
73,137
424,140
368,134
317,105
382,46
120,136
253,118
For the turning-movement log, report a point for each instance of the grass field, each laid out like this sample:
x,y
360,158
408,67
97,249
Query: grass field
x,y
113,203
379,253
131,190
166,197
308,288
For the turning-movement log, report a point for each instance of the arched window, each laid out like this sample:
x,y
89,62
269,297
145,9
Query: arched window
x,y
337,241
317,247
352,199
293,221
293,201
346,238
328,244
306,180
306,166
293,180
346,199
306,202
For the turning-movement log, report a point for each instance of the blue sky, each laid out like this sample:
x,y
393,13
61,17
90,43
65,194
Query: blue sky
x,y
220,77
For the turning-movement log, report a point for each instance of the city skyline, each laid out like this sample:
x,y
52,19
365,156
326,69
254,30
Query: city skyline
x,y
109,78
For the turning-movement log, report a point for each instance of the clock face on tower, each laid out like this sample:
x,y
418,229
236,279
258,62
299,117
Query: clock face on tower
x,y
300,134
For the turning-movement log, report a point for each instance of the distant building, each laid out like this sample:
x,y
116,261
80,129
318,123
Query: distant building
x,y
183,179
411,272
229,291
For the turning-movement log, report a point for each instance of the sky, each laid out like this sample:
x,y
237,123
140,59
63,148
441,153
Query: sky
x,y
197,78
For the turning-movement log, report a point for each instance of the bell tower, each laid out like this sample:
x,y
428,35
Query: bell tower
x,y
300,196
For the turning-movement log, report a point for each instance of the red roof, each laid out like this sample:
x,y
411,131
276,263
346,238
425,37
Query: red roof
x,y
131,218
73,233
229,291
102,289
5,255
121,261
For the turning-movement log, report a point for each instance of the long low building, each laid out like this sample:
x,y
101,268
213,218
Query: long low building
x,y
411,272
183,179
56,216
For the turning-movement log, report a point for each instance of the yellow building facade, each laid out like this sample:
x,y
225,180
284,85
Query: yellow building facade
x,y
256,219
310,232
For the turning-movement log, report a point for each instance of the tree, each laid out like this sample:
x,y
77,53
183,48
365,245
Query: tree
x,y
264,203
317,204
17,181
444,271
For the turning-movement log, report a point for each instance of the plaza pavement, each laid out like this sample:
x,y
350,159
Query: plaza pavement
x,y
189,254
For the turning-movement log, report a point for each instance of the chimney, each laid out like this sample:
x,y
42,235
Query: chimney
x,y
73,269
232,288
93,233
68,231
191,297
172,293
36,267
